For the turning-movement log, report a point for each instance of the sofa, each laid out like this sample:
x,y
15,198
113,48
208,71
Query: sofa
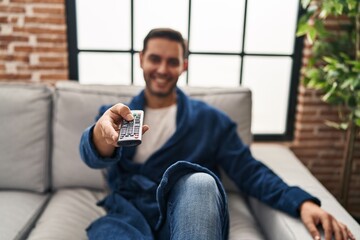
x,y
47,192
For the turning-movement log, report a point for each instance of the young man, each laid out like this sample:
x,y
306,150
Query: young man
x,y
168,187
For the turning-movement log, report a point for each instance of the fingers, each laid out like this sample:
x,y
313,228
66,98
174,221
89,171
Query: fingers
x,y
310,218
337,229
345,232
109,133
121,110
351,236
338,233
109,122
145,128
310,225
327,225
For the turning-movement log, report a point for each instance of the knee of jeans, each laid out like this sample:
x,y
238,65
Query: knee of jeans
x,y
200,181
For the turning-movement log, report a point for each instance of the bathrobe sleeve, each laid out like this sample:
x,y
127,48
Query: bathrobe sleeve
x,y
254,178
88,151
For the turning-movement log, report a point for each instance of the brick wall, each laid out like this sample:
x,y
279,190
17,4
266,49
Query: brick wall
x,y
33,48
33,43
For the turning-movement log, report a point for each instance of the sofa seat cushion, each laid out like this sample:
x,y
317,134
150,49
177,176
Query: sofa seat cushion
x,y
242,223
68,214
19,211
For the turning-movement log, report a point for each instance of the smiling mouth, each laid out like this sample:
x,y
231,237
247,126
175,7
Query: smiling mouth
x,y
160,81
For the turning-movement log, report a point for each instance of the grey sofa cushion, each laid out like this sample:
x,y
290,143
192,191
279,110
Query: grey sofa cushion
x,y
242,222
68,214
25,136
18,211
77,105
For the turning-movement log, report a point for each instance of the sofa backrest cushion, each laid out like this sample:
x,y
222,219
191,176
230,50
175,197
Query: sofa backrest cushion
x,y
25,117
77,105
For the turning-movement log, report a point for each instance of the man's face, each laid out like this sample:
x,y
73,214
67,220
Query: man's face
x,y
162,64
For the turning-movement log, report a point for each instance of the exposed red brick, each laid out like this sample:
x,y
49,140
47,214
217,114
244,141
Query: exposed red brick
x,y
13,38
39,49
52,59
3,46
45,20
57,39
309,137
11,9
4,20
52,11
15,76
37,1
43,67
54,76
38,30
12,58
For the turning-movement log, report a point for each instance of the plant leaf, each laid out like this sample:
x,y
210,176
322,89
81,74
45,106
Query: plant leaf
x,y
311,34
330,92
338,8
346,83
351,4
357,113
352,102
357,122
303,29
344,126
330,60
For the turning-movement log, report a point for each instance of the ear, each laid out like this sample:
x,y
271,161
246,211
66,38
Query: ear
x,y
141,57
186,64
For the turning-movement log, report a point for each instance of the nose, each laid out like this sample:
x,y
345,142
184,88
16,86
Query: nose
x,y
162,68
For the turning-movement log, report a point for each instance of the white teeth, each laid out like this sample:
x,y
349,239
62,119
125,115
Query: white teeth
x,y
160,80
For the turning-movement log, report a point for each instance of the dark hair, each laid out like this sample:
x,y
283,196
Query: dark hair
x,y
169,34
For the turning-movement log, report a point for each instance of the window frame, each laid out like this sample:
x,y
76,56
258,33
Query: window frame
x,y
296,57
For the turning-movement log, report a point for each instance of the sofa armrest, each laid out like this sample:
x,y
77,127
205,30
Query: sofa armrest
x,y
278,225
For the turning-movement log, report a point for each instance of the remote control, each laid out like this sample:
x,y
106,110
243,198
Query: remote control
x,y
131,131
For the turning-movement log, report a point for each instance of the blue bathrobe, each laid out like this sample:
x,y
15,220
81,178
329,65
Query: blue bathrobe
x,y
205,139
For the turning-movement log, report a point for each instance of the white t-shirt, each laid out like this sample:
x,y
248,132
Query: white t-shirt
x,y
162,123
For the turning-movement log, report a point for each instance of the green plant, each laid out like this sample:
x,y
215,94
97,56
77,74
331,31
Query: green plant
x,y
334,67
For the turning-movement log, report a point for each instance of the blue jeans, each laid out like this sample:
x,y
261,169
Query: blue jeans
x,y
195,210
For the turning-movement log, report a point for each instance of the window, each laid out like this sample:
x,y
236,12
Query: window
x,y
231,43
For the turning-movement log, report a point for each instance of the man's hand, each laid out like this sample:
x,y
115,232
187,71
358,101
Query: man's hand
x,y
312,215
106,130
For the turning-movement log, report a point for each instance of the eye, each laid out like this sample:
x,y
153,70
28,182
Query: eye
x,y
174,62
154,59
